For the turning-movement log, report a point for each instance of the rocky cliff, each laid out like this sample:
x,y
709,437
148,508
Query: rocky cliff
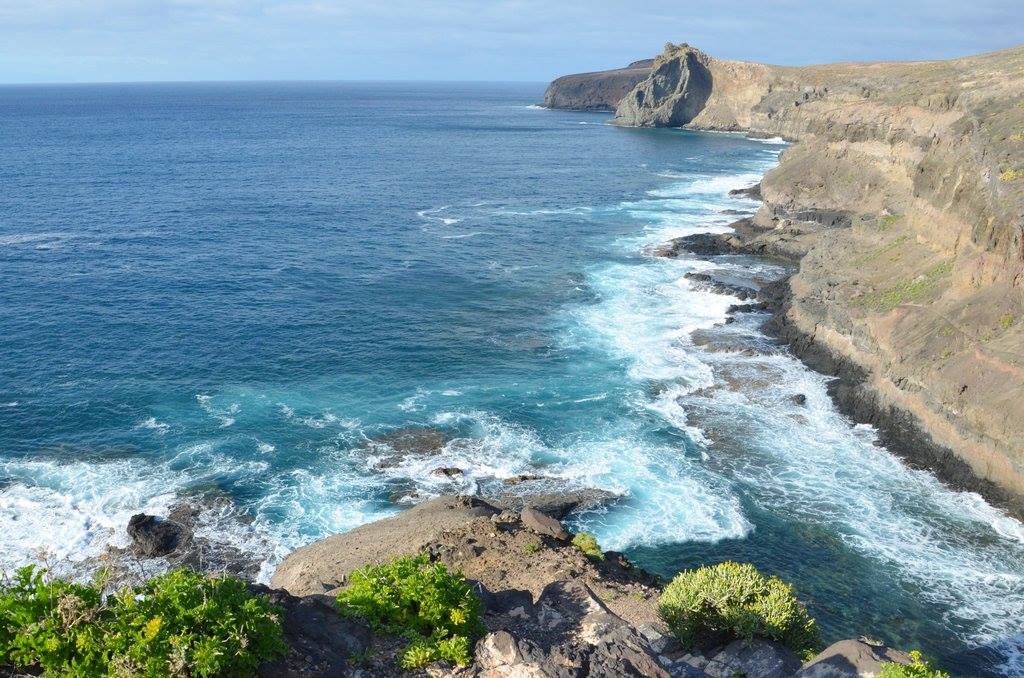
x,y
903,200
599,91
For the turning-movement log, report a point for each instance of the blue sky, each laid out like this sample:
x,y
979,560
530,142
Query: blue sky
x,y
132,40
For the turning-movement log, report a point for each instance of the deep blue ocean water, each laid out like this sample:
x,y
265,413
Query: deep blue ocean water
x,y
234,289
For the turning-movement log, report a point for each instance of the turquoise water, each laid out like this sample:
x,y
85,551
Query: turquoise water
x,y
233,288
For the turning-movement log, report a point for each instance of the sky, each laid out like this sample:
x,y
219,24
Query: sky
x,y
529,40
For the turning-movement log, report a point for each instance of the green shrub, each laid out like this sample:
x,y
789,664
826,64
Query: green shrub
x,y
1012,174
178,624
919,667
531,547
587,543
432,607
1006,321
727,601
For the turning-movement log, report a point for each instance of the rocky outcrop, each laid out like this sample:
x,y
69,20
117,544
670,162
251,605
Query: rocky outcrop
x,y
852,658
548,609
596,91
903,201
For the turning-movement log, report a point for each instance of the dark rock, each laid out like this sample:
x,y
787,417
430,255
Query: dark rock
x,y
447,472
755,658
543,524
752,192
559,505
152,536
320,641
850,659
799,399
521,478
703,244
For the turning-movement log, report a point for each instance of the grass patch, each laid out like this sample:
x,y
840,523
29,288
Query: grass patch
x,y
178,624
1012,174
887,222
720,603
436,610
587,543
919,667
884,249
906,291
1006,321
1019,136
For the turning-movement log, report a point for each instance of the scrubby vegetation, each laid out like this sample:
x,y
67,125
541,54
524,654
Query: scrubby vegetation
x,y
906,291
727,601
178,624
918,668
1012,174
1006,321
422,601
587,543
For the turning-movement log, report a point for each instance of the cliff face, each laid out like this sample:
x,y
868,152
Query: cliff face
x,y
599,91
903,198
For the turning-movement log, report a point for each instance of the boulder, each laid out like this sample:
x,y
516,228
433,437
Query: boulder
x,y
543,524
152,536
756,658
447,472
324,565
320,641
850,659
752,192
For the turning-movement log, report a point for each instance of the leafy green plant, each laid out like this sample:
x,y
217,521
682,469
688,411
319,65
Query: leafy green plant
x,y
432,607
178,624
919,667
1006,321
531,547
727,601
587,543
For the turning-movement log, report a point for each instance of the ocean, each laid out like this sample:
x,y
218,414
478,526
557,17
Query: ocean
x,y
240,291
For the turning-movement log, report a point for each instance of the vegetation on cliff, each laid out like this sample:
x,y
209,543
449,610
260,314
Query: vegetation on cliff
x,y
729,601
422,601
181,623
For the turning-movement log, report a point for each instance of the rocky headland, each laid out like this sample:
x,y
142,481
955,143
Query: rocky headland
x,y
599,91
902,200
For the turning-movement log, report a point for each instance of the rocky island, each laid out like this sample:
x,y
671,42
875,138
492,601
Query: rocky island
x,y
902,199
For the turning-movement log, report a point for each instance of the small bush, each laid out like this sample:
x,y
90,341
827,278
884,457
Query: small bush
x,y
412,597
728,601
587,543
919,667
1006,321
178,624
1012,174
531,547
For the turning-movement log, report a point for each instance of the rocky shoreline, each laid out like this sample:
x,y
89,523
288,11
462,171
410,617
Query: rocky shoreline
x,y
549,608
901,205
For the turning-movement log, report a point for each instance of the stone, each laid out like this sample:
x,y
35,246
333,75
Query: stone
x,y
799,399
320,641
851,659
152,536
543,524
447,472
756,658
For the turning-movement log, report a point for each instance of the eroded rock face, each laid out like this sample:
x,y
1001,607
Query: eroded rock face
x,y
910,235
596,91
672,95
